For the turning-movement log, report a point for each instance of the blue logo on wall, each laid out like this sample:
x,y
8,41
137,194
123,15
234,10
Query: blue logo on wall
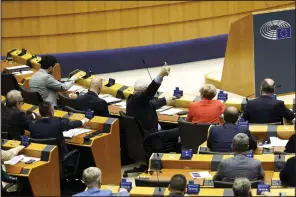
x,y
276,30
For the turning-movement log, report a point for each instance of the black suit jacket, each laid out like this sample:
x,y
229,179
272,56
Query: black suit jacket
x,y
142,106
288,173
90,100
291,145
264,109
53,127
14,122
220,137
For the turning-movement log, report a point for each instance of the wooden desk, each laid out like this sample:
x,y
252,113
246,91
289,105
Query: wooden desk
x,y
43,176
102,151
183,102
149,191
211,162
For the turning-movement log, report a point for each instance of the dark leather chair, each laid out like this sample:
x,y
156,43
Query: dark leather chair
x,y
11,180
193,135
70,109
4,135
8,82
66,101
224,184
66,172
33,98
134,139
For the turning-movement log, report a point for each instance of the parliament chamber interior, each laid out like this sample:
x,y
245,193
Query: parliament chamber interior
x,y
148,98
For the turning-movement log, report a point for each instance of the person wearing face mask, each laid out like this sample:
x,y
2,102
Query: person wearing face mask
x,y
44,83
14,121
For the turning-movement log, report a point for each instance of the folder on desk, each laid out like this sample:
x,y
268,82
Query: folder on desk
x,y
13,69
74,132
171,111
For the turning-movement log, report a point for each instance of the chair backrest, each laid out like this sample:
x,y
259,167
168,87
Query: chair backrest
x,y
8,82
33,98
224,184
70,109
134,136
193,135
66,101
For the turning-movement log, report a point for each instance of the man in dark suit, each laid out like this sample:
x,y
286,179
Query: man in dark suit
x,y
13,120
178,185
143,106
291,145
91,99
265,109
53,127
288,173
220,137
240,165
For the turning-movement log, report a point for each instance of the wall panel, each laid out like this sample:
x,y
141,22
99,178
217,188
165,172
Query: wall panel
x,y
65,26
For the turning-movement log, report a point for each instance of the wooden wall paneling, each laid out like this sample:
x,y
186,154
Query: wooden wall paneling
x,y
160,15
191,10
129,18
113,20
96,21
190,30
65,7
49,24
128,4
129,37
205,27
96,40
49,44
160,34
96,6
113,39
45,8
176,13
205,9
175,32
80,6
112,5
145,17
145,35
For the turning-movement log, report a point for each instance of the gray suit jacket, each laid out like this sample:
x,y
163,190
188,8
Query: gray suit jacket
x,y
47,86
239,166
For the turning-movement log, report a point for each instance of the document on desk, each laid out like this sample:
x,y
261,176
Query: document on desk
x,y
204,174
14,160
275,141
26,159
121,104
74,132
171,111
76,88
163,108
23,72
17,67
110,99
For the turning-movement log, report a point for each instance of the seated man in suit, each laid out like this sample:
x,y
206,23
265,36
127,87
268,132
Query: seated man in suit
x,y
288,173
92,178
178,185
240,165
53,127
142,106
44,83
207,110
91,99
220,137
265,109
291,145
14,121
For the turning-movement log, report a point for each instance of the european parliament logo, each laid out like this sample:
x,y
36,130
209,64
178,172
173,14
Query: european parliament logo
x,y
276,30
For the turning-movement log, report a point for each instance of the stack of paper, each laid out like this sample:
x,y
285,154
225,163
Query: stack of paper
x,y
109,98
14,160
171,112
163,108
26,159
76,88
275,141
204,174
75,132
23,72
121,104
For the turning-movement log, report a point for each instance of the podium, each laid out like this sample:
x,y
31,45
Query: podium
x,y
261,45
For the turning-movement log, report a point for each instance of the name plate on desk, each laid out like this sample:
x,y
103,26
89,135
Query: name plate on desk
x,y
262,188
192,188
125,184
186,154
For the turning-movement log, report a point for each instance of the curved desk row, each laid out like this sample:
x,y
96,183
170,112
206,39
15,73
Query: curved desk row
x,y
156,191
42,177
102,150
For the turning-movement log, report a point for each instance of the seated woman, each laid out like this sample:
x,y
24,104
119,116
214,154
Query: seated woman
x,y
207,110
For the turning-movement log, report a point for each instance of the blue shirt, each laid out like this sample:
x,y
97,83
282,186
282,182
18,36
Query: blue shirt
x,y
100,192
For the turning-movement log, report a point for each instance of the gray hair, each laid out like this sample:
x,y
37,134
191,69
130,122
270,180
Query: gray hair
x,y
208,91
241,187
92,176
12,97
240,143
140,85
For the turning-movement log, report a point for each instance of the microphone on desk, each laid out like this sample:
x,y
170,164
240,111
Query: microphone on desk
x,y
157,171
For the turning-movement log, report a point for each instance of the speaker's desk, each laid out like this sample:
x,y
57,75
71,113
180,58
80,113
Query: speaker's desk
x,y
122,91
41,177
102,150
151,191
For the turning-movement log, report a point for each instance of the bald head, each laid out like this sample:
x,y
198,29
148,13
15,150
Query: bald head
x,y
267,86
140,85
96,85
231,114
